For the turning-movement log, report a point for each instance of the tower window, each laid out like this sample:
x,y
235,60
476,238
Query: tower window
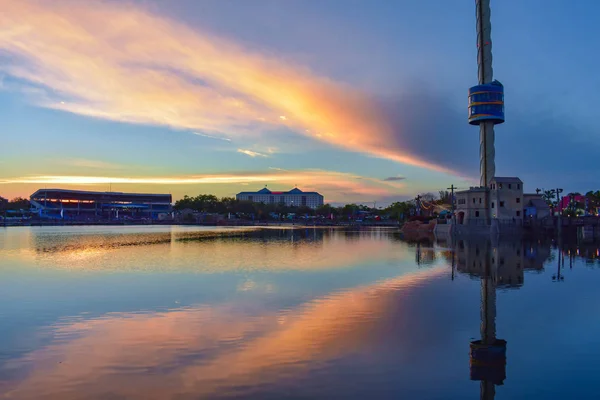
x,y
509,186
477,213
518,213
518,199
493,204
501,204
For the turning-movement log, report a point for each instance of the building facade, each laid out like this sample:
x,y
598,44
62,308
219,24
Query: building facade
x,y
506,199
503,201
86,205
471,206
292,198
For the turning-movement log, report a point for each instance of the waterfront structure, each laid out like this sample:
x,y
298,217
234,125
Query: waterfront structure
x,y
503,201
486,100
80,204
292,198
536,207
497,201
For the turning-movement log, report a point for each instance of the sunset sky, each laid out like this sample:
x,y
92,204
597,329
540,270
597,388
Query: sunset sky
x,y
361,101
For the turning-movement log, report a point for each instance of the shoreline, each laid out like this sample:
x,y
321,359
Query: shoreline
x,y
235,225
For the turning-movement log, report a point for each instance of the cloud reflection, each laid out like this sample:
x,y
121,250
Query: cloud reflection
x,y
206,351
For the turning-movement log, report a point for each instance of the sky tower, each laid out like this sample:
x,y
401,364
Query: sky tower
x,y
486,100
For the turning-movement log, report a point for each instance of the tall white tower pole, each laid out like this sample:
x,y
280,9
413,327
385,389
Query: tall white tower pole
x,y
487,153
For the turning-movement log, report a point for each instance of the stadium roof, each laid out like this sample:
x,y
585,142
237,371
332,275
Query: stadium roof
x,y
68,191
67,194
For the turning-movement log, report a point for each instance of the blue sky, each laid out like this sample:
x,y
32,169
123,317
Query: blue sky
x,y
193,97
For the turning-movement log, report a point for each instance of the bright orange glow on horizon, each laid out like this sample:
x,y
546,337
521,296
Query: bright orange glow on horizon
x,y
335,183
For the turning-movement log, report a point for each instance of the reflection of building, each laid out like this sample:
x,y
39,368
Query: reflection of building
x,y
79,204
499,263
504,261
488,261
292,198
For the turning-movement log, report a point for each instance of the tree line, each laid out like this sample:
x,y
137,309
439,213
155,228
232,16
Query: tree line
x,y
208,203
16,204
576,206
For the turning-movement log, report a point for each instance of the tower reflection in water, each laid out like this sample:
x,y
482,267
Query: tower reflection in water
x,y
498,264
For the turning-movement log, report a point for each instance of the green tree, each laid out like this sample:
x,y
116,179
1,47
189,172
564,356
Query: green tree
x,y
445,197
18,203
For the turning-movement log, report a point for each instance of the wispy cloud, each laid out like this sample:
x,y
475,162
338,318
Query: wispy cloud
x,y
394,178
251,153
92,164
226,139
142,68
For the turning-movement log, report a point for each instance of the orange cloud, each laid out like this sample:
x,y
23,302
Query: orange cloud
x,y
335,183
112,60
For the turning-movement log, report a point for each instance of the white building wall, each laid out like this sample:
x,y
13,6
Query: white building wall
x,y
312,200
473,204
506,200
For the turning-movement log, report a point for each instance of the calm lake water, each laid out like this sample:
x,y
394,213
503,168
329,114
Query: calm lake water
x,y
193,313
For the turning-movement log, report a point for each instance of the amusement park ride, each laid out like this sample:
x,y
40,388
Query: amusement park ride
x,y
486,108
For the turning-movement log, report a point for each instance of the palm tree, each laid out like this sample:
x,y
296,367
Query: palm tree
x,y
549,196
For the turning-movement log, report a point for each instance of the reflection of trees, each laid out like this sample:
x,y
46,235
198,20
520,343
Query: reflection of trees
x,y
51,242
589,252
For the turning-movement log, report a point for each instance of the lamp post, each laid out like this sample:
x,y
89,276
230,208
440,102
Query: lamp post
x,y
558,191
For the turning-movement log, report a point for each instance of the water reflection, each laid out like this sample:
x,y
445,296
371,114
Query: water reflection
x,y
314,313
207,352
177,249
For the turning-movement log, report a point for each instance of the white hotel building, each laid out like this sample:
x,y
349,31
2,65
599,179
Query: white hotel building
x,y
292,198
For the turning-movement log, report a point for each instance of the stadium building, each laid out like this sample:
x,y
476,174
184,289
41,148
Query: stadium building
x,y
292,198
84,205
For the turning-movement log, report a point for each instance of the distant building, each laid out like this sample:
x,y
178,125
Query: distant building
x,y
3,202
504,200
292,198
79,204
536,207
